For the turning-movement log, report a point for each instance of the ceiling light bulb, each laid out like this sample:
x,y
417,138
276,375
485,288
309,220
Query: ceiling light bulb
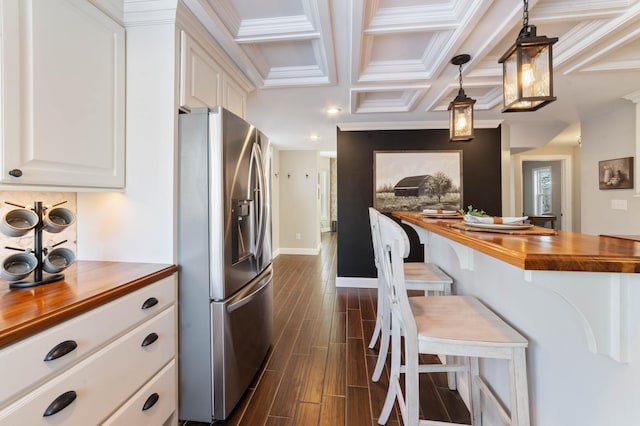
x,y
462,124
333,110
527,78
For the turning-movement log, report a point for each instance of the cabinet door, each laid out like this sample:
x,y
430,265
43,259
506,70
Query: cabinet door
x,y
200,76
63,95
234,98
151,405
102,382
88,331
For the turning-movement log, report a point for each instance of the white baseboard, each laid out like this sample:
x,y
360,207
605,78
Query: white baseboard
x,y
305,251
356,282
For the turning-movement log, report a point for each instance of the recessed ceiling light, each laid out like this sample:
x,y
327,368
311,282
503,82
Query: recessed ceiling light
x,y
315,137
333,110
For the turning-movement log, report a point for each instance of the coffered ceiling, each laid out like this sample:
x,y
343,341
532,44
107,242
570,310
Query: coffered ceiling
x,y
386,63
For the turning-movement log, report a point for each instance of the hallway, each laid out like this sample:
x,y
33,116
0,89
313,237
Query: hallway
x,y
318,372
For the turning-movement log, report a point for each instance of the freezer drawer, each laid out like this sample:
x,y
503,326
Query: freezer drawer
x,y
242,335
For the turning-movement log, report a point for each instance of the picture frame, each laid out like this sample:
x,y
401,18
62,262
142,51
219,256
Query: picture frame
x,y
616,173
417,180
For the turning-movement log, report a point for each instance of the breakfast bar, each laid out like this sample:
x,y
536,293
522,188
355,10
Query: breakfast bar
x,y
570,294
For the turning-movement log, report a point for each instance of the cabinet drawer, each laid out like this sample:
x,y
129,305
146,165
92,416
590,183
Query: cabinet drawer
x,y
89,331
162,389
102,381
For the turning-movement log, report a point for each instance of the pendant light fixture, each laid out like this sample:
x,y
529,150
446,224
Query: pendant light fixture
x,y
527,70
461,109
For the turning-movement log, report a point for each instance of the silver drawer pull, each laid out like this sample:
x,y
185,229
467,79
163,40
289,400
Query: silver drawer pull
x,y
151,401
152,337
60,403
60,350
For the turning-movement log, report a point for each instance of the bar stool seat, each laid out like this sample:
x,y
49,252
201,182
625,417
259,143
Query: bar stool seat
x,y
428,277
421,276
451,325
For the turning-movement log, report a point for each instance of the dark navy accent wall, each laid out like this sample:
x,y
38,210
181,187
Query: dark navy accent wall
x,y
481,184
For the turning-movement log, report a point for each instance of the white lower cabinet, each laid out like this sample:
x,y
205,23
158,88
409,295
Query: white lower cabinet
x,y
118,375
152,405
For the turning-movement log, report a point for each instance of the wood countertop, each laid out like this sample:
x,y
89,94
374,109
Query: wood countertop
x,y
566,251
87,285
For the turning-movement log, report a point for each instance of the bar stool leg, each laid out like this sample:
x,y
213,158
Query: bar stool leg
x,y
519,389
376,331
476,405
394,375
451,376
385,324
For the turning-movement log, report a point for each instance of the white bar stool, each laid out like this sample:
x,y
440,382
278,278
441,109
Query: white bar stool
x,y
421,276
451,325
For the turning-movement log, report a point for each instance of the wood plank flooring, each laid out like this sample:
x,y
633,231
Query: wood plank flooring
x,y
318,372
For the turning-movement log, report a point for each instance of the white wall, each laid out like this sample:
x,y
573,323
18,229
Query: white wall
x,y
298,181
138,225
608,134
533,135
275,201
324,165
334,189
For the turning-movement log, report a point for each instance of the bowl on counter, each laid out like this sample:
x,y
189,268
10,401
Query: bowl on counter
x,y
18,266
58,259
58,219
18,222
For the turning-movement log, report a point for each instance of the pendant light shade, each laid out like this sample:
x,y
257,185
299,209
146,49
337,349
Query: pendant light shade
x,y
461,109
527,70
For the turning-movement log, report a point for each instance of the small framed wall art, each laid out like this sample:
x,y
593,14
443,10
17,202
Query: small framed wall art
x,y
616,174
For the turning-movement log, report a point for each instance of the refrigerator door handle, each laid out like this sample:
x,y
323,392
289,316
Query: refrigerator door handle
x,y
256,159
257,290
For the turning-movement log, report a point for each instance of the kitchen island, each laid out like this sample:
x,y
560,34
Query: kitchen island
x,y
571,295
101,342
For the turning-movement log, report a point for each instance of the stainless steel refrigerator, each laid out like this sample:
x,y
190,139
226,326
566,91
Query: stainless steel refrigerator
x,y
224,257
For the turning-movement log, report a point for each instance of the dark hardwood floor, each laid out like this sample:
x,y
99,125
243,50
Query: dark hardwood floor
x,y
319,369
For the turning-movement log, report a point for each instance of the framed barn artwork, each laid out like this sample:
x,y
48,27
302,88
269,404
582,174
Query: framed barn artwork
x,y
417,180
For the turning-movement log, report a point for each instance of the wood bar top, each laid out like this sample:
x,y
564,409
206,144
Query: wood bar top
x,y
566,251
87,285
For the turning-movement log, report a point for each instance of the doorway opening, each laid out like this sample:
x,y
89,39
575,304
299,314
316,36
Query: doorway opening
x,y
546,188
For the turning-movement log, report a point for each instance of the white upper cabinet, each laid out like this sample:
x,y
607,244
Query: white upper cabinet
x,y
63,95
200,76
233,97
203,82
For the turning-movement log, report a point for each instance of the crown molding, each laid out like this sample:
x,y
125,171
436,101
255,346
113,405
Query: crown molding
x,y
633,97
149,12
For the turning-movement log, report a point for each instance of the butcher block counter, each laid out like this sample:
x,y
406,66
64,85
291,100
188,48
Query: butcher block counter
x,y
575,297
87,285
565,251
98,347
